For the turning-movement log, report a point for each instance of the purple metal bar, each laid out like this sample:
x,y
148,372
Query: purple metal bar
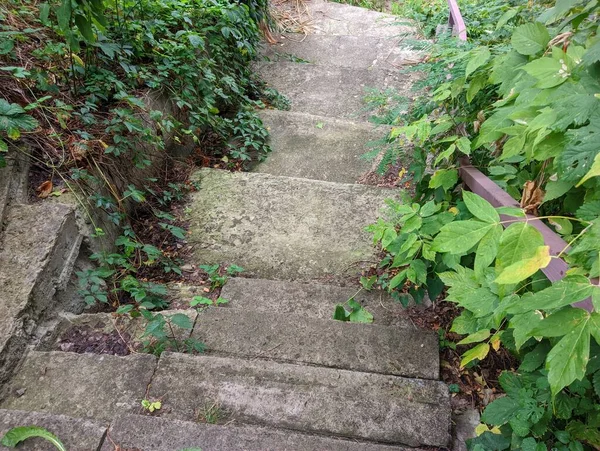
x,y
456,21
486,188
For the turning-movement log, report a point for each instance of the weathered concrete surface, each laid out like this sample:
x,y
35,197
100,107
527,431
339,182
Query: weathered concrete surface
x,y
464,428
330,90
356,52
131,330
157,434
313,399
311,300
80,385
75,433
334,344
324,17
37,250
317,147
280,227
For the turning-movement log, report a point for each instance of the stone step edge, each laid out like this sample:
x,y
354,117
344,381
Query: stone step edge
x,y
407,366
328,120
75,431
204,172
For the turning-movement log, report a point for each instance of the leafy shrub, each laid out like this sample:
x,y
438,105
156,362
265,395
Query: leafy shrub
x,y
522,104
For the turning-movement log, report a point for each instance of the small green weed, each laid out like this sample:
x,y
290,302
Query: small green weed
x,y
201,300
356,314
161,334
151,406
211,413
217,276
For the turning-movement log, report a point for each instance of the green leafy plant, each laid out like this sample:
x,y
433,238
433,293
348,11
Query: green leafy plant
x,y
201,300
352,310
164,333
19,434
151,406
217,276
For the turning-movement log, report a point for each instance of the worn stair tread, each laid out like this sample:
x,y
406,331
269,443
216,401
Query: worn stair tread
x,y
312,300
298,339
80,385
37,250
313,399
324,17
159,434
332,91
317,147
282,227
77,434
358,52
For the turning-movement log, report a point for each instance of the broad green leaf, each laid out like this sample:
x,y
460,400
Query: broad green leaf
x,y
522,324
515,212
445,178
181,320
567,291
479,352
518,242
480,208
358,313
592,55
19,434
200,300
480,301
514,146
476,337
389,236
459,236
593,172
429,208
504,18
535,358
548,71
555,189
525,268
340,313
478,58
530,39
560,323
492,128
501,410
398,279
475,85
567,361
488,248
417,272
581,150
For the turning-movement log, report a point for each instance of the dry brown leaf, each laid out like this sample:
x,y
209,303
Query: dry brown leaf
x,y
532,197
44,189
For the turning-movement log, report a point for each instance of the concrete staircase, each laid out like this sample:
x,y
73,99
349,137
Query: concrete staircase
x,y
280,372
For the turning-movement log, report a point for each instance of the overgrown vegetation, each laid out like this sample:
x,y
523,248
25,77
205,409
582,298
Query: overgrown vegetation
x,y
521,100
95,92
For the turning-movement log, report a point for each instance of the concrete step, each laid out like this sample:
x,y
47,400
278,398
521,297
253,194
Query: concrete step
x,y
333,344
37,251
312,300
80,385
158,434
77,434
355,52
332,91
282,227
13,182
356,405
324,17
317,147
